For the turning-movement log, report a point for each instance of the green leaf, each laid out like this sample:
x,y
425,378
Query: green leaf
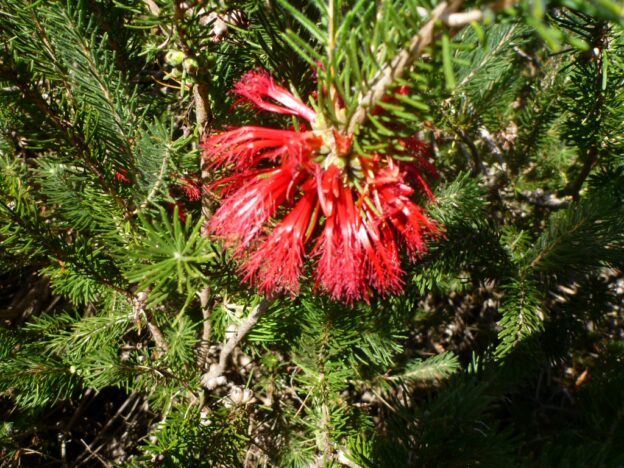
x,y
447,63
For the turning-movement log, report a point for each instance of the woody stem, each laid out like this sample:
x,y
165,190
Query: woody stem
x,y
217,370
445,13
394,70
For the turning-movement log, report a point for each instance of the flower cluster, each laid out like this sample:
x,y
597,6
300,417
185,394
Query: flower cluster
x,y
300,193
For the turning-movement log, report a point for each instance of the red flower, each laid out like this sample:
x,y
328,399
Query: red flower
x,y
191,187
121,175
351,213
257,86
277,262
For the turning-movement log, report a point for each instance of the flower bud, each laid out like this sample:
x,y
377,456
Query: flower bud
x,y
240,396
174,57
210,59
190,65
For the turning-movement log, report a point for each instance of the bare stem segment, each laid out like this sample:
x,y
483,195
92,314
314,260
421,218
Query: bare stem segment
x,y
216,370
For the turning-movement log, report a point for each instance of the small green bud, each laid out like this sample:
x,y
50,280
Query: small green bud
x,y
211,59
190,65
175,57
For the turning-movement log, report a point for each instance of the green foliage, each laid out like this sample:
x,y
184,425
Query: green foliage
x,y
187,437
521,314
37,378
505,348
176,253
437,367
488,81
584,237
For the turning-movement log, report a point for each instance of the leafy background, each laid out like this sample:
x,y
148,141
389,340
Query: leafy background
x,y
504,350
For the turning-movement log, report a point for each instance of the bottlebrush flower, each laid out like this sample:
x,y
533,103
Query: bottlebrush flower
x,y
303,193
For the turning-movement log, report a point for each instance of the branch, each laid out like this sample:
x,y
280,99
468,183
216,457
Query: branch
x,y
208,380
544,199
89,452
398,66
152,7
138,304
204,344
202,118
593,152
445,12
202,105
457,20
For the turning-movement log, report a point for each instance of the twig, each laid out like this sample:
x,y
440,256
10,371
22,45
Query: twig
x,y
445,12
157,334
202,116
29,451
397,67
133,396
491,143
473,150
456,20
138,304
63,451
166,374
204,344
216,370
592,153
86,401
574,187
342,458
94,453
152,7
544,199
